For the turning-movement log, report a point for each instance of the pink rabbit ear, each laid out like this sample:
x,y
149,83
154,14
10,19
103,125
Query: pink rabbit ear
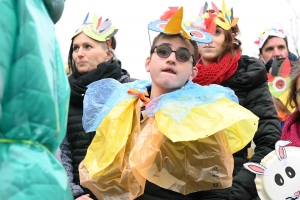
x,y
201,11
256,168
280,150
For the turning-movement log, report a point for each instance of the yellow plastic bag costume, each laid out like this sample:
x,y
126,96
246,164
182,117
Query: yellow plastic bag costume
x,y
181,144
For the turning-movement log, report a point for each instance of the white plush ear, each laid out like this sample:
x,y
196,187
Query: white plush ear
x,y
280,150
256,168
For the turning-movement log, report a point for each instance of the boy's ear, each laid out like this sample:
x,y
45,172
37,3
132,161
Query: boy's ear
x,y
147,62
193,73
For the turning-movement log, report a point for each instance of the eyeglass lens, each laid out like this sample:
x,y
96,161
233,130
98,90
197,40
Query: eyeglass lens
x,y
164,51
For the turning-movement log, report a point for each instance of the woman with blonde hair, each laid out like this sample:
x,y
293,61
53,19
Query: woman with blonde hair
x,y
91,58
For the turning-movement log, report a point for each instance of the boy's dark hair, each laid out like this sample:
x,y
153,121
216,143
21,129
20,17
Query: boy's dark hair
x,y
195,53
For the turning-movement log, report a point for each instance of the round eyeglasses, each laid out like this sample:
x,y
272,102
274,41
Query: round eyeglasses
x,y
182,54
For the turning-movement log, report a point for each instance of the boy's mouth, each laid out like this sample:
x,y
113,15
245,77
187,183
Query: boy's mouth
x,y
169,70
208,47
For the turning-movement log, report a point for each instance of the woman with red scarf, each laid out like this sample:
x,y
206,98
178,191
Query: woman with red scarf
x,y
291,130
221,63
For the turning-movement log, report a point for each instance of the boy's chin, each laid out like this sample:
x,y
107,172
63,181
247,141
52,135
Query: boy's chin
x,y
171,85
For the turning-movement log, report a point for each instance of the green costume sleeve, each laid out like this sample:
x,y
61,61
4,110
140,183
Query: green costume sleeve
x,y
34,95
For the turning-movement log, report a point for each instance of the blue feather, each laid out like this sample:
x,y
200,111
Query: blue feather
x,y
227,17
87,16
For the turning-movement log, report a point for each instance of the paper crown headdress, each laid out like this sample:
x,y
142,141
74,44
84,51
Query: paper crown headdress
x,y
208,20
269,32
171,23
97,30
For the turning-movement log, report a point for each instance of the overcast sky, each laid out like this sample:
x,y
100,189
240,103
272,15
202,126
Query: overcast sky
x,y
131,17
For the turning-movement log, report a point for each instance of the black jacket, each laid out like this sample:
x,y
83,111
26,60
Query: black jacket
x,y
250,85
154,192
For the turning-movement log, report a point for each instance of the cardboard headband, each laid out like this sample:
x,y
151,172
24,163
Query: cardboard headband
x,y
208,20
171,23
97,30
269,32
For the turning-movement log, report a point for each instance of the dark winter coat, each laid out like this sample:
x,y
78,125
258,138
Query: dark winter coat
x,y
250,85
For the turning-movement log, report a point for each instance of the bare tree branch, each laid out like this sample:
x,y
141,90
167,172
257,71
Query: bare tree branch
x,y
294,26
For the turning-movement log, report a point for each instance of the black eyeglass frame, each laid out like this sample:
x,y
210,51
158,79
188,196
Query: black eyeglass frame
x,y
191,55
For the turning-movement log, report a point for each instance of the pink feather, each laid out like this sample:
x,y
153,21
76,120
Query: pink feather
x,y
215,8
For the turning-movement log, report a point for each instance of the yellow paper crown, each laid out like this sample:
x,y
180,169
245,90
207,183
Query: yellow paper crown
x,y
207,19
226,15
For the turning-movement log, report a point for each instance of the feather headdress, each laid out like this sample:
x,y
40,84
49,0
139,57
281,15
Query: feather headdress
x,y
97,30
208,20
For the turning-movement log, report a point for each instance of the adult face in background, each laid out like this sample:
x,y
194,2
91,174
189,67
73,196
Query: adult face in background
x,y
212,52
87,53
273,47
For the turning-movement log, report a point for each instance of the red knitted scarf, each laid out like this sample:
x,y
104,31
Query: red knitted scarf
x,y
217,72
291,129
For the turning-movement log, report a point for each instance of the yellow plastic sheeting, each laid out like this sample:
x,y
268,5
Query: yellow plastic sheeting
x,y
108,155
193,155
203,121
183,167
111,136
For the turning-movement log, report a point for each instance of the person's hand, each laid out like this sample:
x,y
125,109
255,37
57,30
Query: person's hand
x,y
84,197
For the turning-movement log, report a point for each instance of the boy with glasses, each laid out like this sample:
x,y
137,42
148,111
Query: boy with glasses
x,y
171,144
